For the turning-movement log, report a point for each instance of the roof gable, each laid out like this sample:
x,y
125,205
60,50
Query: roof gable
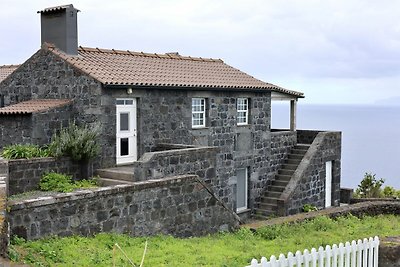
x,y
127,68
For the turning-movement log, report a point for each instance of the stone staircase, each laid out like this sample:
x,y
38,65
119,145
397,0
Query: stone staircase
x,y
116,175
267,205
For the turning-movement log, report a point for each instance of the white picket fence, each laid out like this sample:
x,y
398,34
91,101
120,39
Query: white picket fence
x,y
355,254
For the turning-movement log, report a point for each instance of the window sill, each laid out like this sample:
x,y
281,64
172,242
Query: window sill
x,y
243,211
200,128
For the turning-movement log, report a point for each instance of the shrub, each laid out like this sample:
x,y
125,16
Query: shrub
x,y
309,207
63,183
24,151
369,187
56,182
79,143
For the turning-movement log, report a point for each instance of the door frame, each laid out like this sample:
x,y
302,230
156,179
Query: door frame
x,y
328,184
129,106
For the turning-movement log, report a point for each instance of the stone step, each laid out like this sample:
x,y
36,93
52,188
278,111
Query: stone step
x,y
269,200
276,188
303,147
263,214
287,166
298,151
283,177
286,172
280,183
109,182
296,156
267,206
293,161
272,194
115,174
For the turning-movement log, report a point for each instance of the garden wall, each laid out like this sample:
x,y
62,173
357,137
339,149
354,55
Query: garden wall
x,y
24,174
180,206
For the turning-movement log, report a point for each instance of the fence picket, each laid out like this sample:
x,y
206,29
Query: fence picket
x,y
307,258
321,256
363,253
335,252
328,256
376,251
347,247
313,257
282,261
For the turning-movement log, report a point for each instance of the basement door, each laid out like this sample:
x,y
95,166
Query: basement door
x,y
328,184
126,131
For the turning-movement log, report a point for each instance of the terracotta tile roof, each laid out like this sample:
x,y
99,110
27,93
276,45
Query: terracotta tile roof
x,y
116,67
34,106
7,70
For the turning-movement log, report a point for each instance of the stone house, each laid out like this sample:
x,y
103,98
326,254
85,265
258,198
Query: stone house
x,y
168,114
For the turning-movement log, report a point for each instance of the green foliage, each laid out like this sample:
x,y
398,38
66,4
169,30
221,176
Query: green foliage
x,y
389,191
63,183
222,249
369,187
79,143
24,151
56,182
309,207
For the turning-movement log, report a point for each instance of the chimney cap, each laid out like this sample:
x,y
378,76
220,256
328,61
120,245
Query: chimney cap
x,y
57,9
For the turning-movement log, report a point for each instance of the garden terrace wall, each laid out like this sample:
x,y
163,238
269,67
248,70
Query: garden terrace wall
x,y
24,174
180,206
307,185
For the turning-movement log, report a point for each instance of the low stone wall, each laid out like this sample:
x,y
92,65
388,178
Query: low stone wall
x,y
306,136
181,206
200,161
358,200
24,174
307,185
389,252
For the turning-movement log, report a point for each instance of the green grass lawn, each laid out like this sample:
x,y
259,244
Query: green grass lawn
x,y
223,249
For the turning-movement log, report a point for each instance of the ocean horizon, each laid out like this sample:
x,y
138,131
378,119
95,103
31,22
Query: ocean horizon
x,y
369,137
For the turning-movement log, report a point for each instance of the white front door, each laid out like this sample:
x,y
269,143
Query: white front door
x,y
241,189
126,131
328,184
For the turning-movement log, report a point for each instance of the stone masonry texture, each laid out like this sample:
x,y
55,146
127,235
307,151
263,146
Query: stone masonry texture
x,y
163,116
179,206
24,175
308,184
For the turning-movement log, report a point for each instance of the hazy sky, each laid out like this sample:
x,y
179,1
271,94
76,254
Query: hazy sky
x,y
341,51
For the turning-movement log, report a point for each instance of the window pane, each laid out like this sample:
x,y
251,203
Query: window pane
x,y
124,122
120,102
128,102
124,146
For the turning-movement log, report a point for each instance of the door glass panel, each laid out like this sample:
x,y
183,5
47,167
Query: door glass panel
x,y
124,146
241,189
124,122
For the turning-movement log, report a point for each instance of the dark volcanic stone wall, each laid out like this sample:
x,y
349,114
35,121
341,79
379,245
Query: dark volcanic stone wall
x,y
24,174
308,182
178,206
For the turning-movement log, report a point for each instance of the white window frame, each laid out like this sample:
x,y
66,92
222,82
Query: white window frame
x,y
201,112
245,207
242,106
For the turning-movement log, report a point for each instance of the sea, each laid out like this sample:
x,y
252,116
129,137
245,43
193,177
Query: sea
x,y
370,137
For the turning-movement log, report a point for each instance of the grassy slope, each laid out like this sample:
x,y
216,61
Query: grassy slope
x,y
224,249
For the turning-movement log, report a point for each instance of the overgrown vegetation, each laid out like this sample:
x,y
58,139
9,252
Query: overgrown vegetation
x,y
371,187
223,249
309,207
63,183
78,142
25,151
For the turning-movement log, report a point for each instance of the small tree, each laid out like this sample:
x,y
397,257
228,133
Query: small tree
x,y
370,187
79,143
